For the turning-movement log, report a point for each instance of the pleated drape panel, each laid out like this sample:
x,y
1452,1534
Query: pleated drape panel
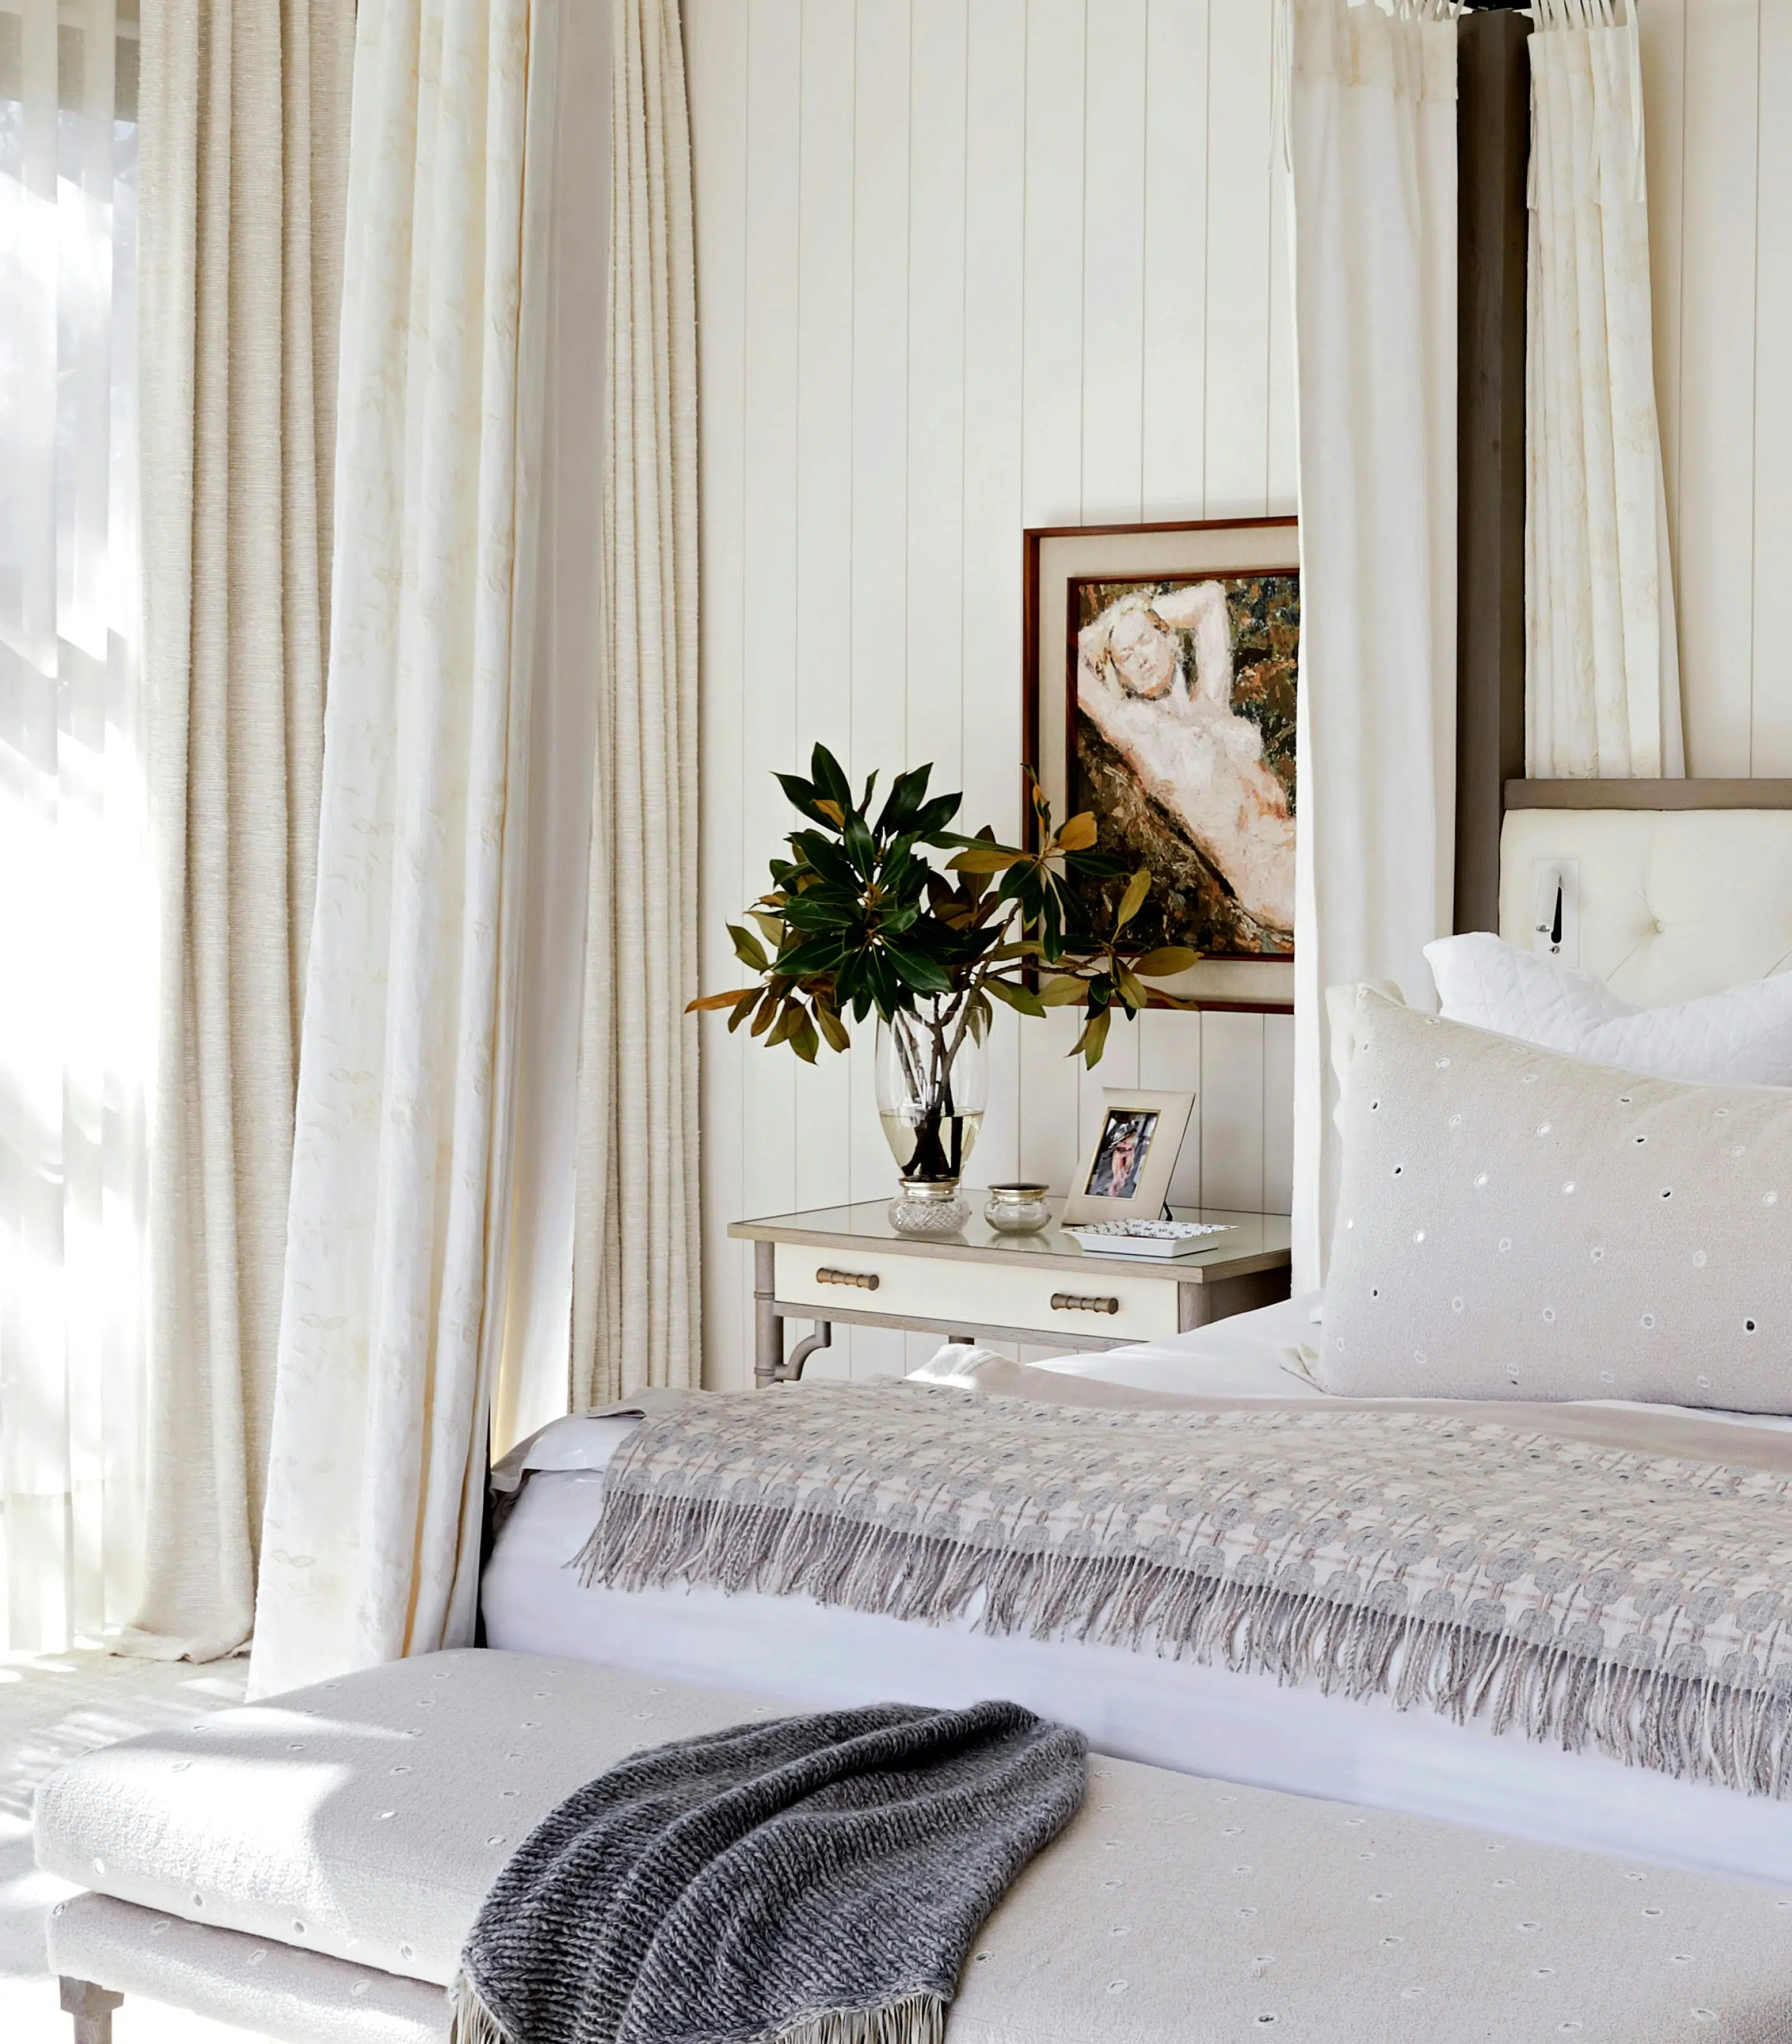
x,y
400,1166
245,122
637,1298
1373,134
1602,667
77,960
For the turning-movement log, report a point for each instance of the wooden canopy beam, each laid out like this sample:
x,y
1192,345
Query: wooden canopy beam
x,y
1492,143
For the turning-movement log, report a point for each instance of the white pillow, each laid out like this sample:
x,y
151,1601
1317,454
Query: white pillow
x,y
1740,1037
1517,1224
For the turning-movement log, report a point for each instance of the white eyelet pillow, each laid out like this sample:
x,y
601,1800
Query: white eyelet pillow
x,y
1742,1036
1517,1224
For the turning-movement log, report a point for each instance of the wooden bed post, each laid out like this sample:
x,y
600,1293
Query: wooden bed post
x,y
1493,146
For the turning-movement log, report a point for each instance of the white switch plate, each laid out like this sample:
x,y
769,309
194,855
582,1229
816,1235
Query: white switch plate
x,y
1556,928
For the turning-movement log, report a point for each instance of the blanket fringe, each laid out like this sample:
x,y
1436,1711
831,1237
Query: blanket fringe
x,y
912,2018
473,2022
1700,1728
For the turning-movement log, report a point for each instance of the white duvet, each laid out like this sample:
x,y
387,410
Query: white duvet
x,y
1175,1714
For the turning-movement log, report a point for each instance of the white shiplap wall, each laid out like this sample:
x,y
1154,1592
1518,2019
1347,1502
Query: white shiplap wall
x,y
1718,98
965,265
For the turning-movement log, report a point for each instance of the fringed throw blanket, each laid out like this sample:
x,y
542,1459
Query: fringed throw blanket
x,y
812,1881
1480,1561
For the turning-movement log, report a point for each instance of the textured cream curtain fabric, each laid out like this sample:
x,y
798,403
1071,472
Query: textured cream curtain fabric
x,y
77,957
401,1153
533,1376
1373,127
1602,670
245,116
635,1289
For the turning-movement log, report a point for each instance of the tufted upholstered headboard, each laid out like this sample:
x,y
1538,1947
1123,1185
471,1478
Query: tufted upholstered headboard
x,y
1672,903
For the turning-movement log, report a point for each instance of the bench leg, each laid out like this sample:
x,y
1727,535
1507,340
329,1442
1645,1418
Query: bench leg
x,y
91,2008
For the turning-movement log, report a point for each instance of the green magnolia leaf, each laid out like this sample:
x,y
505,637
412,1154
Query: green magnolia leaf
x,y
803,1038
1132,990
1166,960
1133,899
1064,992
1094,1038
926,975
748,949
770,928
830,777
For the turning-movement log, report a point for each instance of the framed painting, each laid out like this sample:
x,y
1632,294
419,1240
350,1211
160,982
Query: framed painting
x,y
1161,667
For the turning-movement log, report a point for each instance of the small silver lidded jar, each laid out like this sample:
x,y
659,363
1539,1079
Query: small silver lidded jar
x,y
1020,1209
929,1206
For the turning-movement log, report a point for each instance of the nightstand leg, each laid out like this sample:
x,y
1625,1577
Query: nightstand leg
x,y
768,1322
91,2008
822,1337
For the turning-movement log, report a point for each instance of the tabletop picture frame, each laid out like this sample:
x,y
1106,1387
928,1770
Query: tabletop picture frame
x,y
1126,1170
1161,663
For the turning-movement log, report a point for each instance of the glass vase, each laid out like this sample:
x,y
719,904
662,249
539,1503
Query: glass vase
x,y
932,1087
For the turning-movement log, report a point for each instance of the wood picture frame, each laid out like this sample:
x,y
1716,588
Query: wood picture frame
x,y
1060,563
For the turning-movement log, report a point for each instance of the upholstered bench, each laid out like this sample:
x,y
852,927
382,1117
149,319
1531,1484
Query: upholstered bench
x,y
307,1868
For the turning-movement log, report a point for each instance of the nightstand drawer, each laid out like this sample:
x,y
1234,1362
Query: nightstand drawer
x,y
1114,1305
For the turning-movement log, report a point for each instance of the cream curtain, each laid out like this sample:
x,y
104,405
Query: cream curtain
x,y
1373,132
635,1291
533,1376
245,124
76,1002
1602,673
402,1149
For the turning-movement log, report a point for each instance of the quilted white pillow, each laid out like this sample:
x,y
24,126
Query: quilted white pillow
x,y
1740,1037
1516,1223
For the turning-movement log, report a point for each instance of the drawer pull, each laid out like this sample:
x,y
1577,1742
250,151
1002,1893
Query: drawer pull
x,y
866,1280
1074,1302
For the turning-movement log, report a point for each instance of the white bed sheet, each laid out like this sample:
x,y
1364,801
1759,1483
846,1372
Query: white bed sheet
x,y
1175,1714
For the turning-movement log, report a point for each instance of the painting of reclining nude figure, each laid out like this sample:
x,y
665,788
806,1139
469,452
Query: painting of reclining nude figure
x,y
1180,739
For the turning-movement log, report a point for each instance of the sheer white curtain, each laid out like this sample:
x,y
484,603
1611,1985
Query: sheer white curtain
x,y
1601,670
77,957
1373,133
402,1145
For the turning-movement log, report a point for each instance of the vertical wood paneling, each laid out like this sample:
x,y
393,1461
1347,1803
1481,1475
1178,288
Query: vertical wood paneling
x,y
1239,243
989,713
935,390
1175,214
965,265
1772,520
716,31
1113,263
1052,380
1232,1123
1717,381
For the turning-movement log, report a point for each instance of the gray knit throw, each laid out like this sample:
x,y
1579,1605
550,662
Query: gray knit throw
x,y
810,1881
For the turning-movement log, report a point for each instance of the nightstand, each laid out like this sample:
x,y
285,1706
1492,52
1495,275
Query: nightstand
x,y
848,1264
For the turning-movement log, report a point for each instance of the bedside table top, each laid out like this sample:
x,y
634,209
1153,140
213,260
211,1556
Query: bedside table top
x,y
1253,1242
